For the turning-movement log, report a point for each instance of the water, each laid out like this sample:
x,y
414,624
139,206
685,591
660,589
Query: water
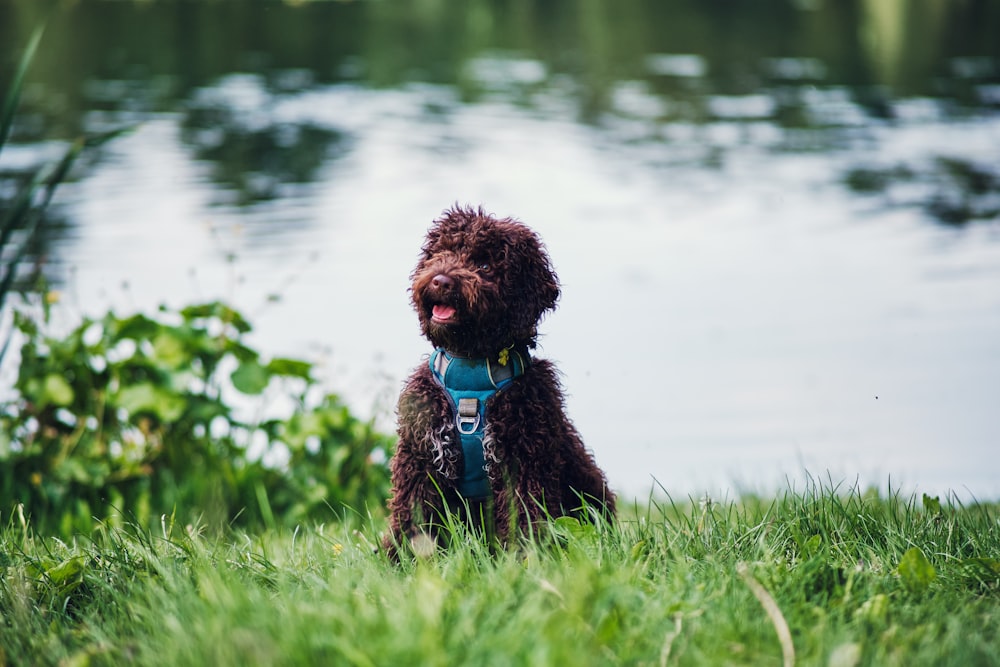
x,y
777,230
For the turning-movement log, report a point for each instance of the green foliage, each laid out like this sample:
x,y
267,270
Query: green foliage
x,y
137,416
23,216
658,588
931,505
13,96
916,571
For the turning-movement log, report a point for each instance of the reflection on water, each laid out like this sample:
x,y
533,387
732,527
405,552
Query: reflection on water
x,y
776,222
255,156
954,190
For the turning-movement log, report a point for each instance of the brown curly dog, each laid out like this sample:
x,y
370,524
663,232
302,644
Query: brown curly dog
x,y
483,433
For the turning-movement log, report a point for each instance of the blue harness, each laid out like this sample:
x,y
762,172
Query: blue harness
x,y
469,384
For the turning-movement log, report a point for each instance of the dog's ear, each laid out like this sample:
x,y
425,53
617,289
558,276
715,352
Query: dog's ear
x,y
539,285
546,281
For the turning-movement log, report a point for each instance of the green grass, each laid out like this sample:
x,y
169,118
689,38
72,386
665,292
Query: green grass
x,y
858,579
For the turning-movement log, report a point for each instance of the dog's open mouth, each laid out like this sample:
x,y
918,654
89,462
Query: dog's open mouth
x,y
442,313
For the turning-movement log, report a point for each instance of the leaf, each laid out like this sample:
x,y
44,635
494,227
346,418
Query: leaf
x,y
238,350
300,427
932,505
219,310
67,575
568,523
65,570
250,377
202,409
136,327
56,391
138,397
290,367
169,349
572,527
146,397
916,571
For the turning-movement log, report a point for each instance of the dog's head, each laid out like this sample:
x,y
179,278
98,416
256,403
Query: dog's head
x,y
482,283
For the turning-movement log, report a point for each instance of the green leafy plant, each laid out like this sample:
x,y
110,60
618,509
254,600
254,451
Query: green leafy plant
x,y
915,571
142,416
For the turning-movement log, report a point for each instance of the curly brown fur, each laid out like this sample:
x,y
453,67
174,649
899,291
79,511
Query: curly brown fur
x,y
480,286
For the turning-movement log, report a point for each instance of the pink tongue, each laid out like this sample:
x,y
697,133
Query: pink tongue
x,y
442,312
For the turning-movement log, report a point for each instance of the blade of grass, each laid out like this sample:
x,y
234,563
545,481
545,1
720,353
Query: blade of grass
x,y
30,216
27,213
773,612
14,92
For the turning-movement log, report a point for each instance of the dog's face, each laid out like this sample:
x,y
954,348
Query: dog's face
x,y
482,283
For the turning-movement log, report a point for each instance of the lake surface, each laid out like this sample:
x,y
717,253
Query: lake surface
x,y
777,224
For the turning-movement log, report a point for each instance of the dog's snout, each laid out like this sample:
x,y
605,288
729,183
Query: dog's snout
x,y
442,282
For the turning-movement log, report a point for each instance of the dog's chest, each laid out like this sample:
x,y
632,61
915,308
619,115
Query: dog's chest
x,y
469,384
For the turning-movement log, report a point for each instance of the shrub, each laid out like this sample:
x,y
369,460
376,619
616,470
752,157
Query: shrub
x,y
141,416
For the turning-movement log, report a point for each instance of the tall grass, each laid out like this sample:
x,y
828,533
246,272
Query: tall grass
x,y
21,219
856,578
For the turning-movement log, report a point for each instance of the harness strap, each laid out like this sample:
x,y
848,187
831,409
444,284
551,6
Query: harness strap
x,y
468,387
500,375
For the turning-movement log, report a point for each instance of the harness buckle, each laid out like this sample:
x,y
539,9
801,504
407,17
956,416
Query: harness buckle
x,y
468,418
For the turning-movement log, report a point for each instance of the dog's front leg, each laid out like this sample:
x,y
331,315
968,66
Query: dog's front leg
x,y
414,505
524,470
423,465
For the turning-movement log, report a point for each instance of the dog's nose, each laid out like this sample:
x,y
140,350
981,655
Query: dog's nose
x,y
442,282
